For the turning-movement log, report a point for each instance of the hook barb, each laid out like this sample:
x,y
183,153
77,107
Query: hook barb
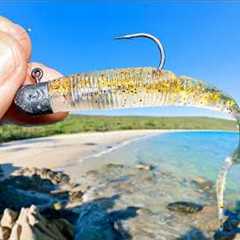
x,y
151,37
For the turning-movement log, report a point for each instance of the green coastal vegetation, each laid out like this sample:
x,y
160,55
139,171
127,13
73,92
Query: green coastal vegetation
x,y
76,124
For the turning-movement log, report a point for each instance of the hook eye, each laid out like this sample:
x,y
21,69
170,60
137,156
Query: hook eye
x,y
37,74
154,39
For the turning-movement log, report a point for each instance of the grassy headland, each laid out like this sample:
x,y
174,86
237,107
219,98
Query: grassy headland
x,y
76,124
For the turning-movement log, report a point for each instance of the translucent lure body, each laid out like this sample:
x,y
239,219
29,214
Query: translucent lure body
x,y
133,88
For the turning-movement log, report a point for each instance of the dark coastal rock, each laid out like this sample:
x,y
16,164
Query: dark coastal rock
x,y
59,178
57,205
94,223
221,235
1,172
51,213
202,183
4,233
60,194
65,179
41,187
11,197
76,196
90,144
144,166
184,207
114,166
92,173
55,177
65,227
35,183
230,229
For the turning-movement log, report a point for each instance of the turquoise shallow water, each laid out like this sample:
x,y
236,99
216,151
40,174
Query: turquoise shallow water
x,y
186,154
178,157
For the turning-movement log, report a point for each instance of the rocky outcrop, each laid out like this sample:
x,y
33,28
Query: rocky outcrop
x,y
29,224
56,177
8,219
113,202
76,196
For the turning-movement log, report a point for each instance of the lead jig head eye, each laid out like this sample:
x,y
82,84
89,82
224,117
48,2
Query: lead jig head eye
x,y
37,74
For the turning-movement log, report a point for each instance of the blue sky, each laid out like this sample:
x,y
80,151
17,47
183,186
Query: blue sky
x,y
201,39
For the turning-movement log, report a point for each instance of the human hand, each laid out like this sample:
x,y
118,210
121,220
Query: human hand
x,y
15,71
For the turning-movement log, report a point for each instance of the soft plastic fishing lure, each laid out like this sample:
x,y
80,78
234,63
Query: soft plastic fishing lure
x,y
128,88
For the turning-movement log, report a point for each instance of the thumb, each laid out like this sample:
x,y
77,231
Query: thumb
x,y
13,68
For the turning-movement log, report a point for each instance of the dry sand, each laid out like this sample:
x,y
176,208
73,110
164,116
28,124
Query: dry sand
x,y
67,152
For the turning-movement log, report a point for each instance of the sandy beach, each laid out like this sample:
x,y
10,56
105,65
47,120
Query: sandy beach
x,y
70,153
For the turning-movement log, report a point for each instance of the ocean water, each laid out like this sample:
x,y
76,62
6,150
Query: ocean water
x,y
184,154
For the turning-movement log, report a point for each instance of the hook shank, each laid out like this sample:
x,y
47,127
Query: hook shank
x,y
151,37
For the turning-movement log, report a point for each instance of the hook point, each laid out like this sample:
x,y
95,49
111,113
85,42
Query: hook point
x,y
128,36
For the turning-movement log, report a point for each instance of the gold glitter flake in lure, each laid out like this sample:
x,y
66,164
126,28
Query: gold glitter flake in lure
x,y
130,88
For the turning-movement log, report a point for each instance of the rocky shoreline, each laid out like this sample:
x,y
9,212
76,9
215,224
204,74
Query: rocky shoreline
x,y
114,202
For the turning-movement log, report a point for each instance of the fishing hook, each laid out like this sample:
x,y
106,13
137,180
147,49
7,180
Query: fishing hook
x,y
151,37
